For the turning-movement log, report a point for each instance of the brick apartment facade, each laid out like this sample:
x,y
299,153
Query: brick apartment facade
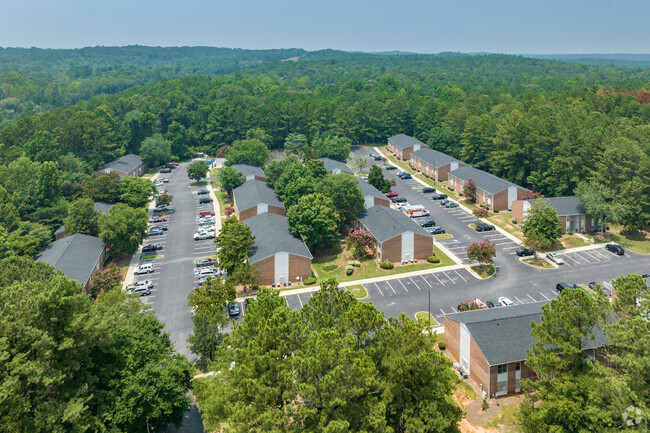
x,y
434,164
572,215
491,191
402,145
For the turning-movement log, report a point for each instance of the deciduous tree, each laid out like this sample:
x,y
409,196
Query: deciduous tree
x,y
469,190
105,279
197,170
541,224
334,147
376,178
136,191
156,150
123,228
229,179
344,192
314,220
250,151
295,143
82,218
483,252
233,243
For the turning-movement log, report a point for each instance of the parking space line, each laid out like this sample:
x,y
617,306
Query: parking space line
x,y
461,277
532,298
543,296
571,258
449,277
593,257
580,255
400,281
452,307
377,287
414,283
605,257
391,287
518,300
299,300
424,279
443,313
439,280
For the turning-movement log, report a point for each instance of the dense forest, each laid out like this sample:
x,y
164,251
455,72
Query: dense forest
x,y
38,79
545,125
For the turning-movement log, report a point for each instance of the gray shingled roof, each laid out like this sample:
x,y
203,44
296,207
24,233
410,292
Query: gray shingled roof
x,y
565,206
503,334
385,223
254,192
123,164
433,157
367,189
403,141
272,236
249,170
331,164
483,180
75,255
102,207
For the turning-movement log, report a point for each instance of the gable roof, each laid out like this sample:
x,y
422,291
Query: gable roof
x,y
433,157
102,207
331,164
254,192
565,205
249,170
503,334
123,164
272,236
403,141
483,180
385,223
367,189
75,255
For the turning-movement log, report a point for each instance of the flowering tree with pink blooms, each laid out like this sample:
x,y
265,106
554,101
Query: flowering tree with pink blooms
x,y
469,190
104,279
483,252
360,241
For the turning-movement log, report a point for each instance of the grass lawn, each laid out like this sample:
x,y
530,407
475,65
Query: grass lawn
x,y
473,225
199,183
465,391
443,236
205,257
639,243
223,200
423,317
483,271
507,420
358,291
157,256
573,241
504,220
540,263
332,263
440,337
123,262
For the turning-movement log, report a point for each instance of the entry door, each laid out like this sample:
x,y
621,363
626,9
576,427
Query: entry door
x,y
282,267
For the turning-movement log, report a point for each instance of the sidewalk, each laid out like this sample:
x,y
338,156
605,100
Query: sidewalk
x,y
466,209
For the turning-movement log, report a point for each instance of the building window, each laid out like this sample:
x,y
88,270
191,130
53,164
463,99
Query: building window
x,y
518,366
502,387
503,368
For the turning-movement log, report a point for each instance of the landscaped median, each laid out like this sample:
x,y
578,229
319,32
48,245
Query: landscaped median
x,y
333,264
538,263
483,271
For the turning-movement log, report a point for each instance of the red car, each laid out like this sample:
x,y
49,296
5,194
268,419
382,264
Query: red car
x,y
391,194
158,219
206,213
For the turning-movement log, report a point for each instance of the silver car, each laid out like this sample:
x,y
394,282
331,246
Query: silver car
x,y
555,258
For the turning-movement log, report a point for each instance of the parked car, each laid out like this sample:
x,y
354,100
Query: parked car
x,y
444,202
203,192
437,230
206,220
617,249
145,268
595,286
206,213
484,227
165,170
562,286
209,272
158,219
555,258
428,190
391,167
154,232
406,176
204,200
162,227
523,252
171,165
162,208
163,180
505,302
233,309
140,290
146,283
428,223
491,303
398,200
451,204
438,196
378,158
200,236
391,194
205,262
374,154
206,228
151,248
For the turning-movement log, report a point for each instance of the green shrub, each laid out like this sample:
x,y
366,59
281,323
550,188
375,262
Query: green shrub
x,y
349,269
433,259
442,346
387,265
514,221
495,210
357,263
309,281
485,405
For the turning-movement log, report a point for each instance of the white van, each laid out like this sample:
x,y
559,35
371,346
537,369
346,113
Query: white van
x,y
145,268
415,211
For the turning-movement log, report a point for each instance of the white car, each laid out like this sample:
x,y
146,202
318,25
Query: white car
x,y
209,272
505,302
146,268
555,258
140,290
206,220
200,236
146,283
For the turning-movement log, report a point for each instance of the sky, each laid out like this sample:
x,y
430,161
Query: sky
x,y
507,26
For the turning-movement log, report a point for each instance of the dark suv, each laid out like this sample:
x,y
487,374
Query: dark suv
x,y
428,189
204,200
562,286
615,249
438,196
398,200
484,227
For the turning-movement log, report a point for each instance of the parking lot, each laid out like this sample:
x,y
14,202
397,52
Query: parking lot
x,y
592,257
455,221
